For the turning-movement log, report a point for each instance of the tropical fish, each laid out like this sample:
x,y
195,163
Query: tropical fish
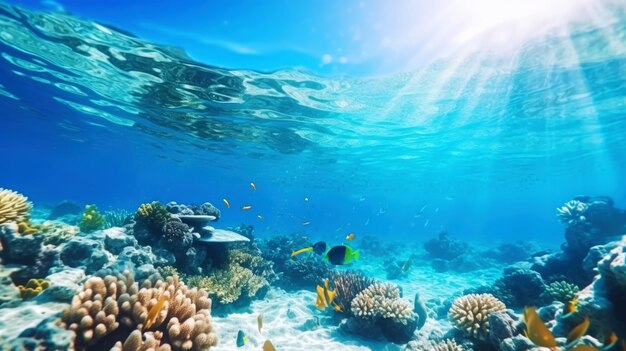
x,y
306,223
253,185
242,339
585,348
571,306
536,330
154,311
319,248
325,297
406,265
350,236
340,255
246,208
259,321
578,331
610,340
268,346
259,217
226,203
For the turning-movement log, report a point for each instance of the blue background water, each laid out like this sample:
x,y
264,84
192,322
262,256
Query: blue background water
x,y
480,145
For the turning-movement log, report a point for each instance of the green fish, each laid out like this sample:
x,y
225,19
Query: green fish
x,y
242,339
340,255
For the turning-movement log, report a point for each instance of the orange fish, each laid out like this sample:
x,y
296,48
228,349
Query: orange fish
x,y
610,340
154,312
226,203
585,348
536,330
578,331
350,236
246,207
253,185
571,306
268,346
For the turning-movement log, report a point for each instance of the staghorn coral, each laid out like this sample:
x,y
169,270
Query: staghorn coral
x,y
561,291
382,300
114,312
152,216
33,288
14,207
348,285
572,212
470,314
91,220
57,233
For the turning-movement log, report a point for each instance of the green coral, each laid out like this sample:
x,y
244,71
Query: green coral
x,y
57,233
561,291
33,288
153,216
92,220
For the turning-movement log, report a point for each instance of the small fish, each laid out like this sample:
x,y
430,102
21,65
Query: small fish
x,y
306,199
571,306
536,330
306,223
268,346
325,296
252,185
367,222
340,255
319,248
610,340
423,208
242,339
578,331
226,203
154,312
259,217
259,321
426,223
246,208
350,236
406,265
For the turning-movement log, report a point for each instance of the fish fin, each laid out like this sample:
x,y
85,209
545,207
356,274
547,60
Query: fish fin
x,y
578,331
355,255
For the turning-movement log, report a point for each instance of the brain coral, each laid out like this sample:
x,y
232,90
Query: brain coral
x,y
14,207
382,300
470,313
114,312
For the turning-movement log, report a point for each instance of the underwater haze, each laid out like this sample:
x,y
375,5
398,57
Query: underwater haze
x,y
441,142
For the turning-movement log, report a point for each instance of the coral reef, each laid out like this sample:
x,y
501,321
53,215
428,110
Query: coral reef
x,y
152,216
117,218
445,345
572,212
92,220
348,285
560,291
177,236
115,312
445,247
470,314
14,207
33,288
56,233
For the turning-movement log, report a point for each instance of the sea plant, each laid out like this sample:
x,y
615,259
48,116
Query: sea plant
x,y
91,220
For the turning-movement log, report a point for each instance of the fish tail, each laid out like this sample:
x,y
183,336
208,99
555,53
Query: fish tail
x,y
301,251
355,255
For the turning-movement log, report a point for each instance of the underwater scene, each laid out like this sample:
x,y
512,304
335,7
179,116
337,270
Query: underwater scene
x,y
313,175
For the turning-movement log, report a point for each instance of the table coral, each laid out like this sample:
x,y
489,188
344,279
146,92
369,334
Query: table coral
x,y
470,314
114,311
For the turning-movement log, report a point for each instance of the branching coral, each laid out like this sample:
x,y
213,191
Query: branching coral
x,y
348,285
572,212
14,207
152,216
561,291
114,312
230,284
91,220
382,300
57,233
33,288
470,314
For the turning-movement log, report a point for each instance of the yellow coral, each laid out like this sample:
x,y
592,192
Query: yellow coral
x,y
470,313
25,228
33,288
14,207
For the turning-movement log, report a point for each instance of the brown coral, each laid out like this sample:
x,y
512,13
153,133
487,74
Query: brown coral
x,y
14,207
470,313
112,312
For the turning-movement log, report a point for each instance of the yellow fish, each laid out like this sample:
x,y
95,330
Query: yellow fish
x,y
259,321
325,297
253,185
268,346
350,236
246,208
571,306
536,330
306,223
226,203
578,331
154,312
259,217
